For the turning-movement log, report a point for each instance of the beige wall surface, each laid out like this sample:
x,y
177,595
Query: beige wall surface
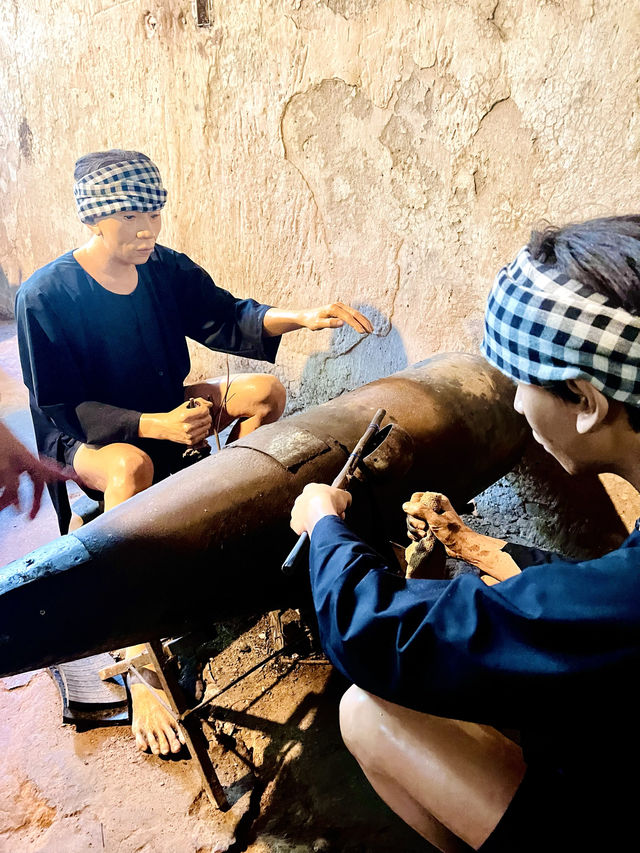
x,y
389,153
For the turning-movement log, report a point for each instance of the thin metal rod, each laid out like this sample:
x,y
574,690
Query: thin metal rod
x,y
354,457
209,699
197,742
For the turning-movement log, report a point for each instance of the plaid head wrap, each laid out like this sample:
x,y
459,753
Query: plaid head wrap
x,y
128,185
543,327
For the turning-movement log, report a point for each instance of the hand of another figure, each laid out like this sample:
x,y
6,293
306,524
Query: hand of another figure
x,y
416,525
434,510
16,460
316,501
333,316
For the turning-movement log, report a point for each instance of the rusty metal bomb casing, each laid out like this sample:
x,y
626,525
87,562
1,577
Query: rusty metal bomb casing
x,y
207,543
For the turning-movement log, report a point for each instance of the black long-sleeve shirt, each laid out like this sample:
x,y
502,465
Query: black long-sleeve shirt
x,y
94,360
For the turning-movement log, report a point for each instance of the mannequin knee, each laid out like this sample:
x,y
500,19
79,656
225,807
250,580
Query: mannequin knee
x,y
268,397
358,724
132,471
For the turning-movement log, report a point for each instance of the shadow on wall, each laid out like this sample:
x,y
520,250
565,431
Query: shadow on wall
x,y
351,360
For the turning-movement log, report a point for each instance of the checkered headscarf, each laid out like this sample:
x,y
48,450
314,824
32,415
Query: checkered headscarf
x,y
543,327
128,185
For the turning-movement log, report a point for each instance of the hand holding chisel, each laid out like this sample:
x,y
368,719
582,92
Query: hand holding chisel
x,y
340,482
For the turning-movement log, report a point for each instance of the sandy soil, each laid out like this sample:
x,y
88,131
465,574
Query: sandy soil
x,y
277,751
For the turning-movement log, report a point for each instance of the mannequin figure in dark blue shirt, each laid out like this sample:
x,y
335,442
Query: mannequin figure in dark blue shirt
x,y
102,335
532,642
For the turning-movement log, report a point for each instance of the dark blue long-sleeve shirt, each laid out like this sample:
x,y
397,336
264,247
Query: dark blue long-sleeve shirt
x,y
553,651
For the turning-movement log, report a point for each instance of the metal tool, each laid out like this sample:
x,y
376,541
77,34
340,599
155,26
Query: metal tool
x,y
340,482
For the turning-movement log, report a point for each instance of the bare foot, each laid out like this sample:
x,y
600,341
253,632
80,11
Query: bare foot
x,y
153,726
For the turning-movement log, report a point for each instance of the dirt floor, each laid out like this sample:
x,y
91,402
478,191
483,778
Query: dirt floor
x,y
292,786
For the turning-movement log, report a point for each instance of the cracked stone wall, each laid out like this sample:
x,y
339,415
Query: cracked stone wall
x,y
390,153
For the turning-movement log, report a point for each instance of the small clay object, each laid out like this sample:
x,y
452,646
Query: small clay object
x,y
433,501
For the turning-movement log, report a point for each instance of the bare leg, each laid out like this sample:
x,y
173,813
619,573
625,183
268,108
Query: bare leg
x,y
255,398
450,780
75,523
121,471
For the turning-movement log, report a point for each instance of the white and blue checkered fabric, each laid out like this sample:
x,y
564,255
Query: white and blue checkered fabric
x,y
130,185
542,327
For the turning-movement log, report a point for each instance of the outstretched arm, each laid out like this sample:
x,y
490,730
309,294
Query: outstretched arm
x,y
278,321
215,318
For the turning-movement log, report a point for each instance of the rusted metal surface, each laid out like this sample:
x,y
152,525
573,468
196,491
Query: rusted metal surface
x,y
209,541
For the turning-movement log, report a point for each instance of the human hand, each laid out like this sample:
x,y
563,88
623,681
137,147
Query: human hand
x,y
417,527
483,552
433,510
184,424
316,501
333,316
16,460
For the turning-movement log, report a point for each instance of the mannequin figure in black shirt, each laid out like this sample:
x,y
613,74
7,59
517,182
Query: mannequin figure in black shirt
x,y
102,333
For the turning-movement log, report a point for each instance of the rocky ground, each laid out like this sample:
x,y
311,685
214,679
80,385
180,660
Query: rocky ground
x,y
292,786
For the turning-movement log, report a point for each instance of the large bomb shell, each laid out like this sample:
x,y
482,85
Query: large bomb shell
x,y
208,542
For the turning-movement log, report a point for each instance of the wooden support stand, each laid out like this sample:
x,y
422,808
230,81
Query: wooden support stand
x,y
176,704
161,656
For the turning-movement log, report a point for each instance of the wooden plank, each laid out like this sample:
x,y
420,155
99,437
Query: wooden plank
x,y
197,742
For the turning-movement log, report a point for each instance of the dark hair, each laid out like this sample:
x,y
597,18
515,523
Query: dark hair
x,y
97,159
604,256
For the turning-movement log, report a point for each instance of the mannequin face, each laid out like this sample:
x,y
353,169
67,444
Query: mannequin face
x,y
129,236
559,426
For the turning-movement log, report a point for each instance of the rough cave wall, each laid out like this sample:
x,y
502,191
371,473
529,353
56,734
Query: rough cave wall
x,y
389,153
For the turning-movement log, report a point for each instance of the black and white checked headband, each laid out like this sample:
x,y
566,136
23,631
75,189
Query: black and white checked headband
x,y
542,327
130,185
